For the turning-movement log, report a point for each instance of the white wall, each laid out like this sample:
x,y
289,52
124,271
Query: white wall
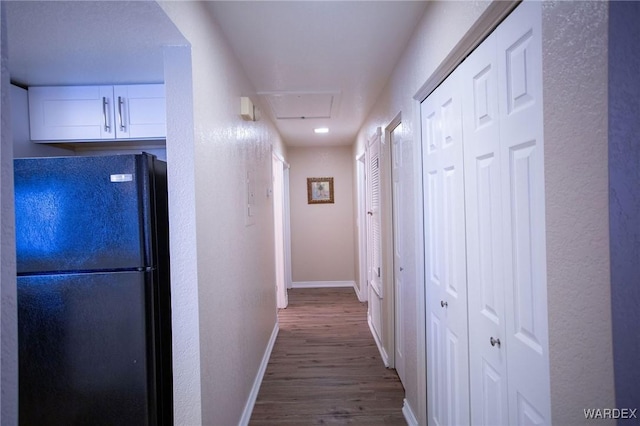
x,y
575,136
575,111
8,309
187,392
322,235
225,303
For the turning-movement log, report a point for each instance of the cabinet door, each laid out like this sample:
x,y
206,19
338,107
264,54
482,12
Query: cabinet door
x,y
140,111
445,275
71,112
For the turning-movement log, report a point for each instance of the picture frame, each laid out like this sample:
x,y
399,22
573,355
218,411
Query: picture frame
x,y
320,190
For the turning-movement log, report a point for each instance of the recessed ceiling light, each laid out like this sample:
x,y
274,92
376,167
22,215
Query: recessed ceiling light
x,y
321,130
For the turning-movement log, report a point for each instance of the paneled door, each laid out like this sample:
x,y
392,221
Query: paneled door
x,y
504,190
445,274
487,351
519,49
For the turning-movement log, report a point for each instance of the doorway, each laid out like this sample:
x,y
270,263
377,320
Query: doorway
x,y
400,299
362,285
281,230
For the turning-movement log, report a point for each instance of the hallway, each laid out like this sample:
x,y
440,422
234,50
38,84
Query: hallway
x,y
214,56
325,366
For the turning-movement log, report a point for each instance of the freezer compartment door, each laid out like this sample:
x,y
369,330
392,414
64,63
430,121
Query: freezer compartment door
x,y
85,350
82,213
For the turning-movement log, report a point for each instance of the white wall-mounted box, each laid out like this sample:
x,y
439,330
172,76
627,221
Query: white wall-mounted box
x,y
247,111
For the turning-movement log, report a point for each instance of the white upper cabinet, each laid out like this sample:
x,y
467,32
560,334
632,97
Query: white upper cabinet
x,y
97,113
71,113
140,111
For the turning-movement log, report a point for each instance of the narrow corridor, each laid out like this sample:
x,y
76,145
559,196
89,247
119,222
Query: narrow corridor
x,y
325,367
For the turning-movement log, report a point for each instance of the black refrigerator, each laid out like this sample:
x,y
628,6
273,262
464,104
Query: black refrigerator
x,y
94,313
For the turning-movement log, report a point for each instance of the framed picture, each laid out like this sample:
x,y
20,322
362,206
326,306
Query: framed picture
x,y
320,190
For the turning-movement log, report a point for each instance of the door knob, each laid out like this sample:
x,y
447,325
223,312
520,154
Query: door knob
x,y
494,341
370,213
444,304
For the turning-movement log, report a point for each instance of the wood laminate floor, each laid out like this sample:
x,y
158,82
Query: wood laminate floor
x,y
325,367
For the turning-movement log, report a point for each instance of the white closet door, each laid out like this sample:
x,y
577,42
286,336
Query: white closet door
x,y
374,212
374,238
519,50
487,357
446,294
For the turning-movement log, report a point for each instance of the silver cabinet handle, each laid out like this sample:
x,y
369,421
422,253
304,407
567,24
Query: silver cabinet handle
x,y
120,102
444,304
494,342
105,103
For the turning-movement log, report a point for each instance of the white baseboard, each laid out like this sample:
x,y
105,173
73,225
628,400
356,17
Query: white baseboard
x,y
360,294
319,284
383,353
409,416
253,395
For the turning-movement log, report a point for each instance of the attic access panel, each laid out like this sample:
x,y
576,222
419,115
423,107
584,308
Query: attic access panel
x,y
299,105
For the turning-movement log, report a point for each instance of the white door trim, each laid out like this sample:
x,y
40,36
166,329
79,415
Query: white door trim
x,y
277,194
287,228
362,287
395,315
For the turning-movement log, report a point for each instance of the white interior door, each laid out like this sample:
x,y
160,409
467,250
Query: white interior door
x,y
445,264
373,214
487,360
504,188
519,47
374,241
400,298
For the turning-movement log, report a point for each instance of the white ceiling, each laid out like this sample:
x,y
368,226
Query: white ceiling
x,y
326,61
309,56
87,42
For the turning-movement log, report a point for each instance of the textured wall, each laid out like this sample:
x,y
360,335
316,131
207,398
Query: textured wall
x,y
624,198
228,292
8,313
576,185
443,25
187,396
322,235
